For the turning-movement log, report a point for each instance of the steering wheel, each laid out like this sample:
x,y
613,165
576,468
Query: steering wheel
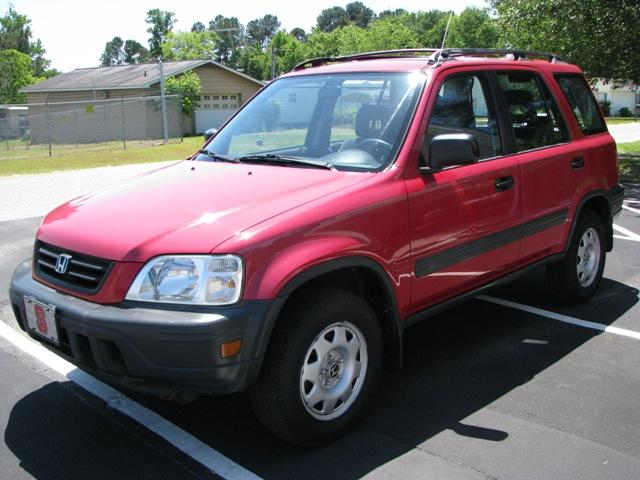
x,y
375,146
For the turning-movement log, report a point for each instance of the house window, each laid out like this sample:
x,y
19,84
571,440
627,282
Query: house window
x,y
216,97
226,105
206,106
225,97
207,97
233,97
216,105
637,99
293,97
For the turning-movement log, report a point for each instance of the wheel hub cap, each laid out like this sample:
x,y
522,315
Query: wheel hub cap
x,y
333,371
588,258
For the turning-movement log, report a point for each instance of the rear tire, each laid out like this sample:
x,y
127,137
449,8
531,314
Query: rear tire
x,y
323,362
576,278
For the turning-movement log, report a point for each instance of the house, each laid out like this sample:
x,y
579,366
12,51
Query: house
x,y
13,121
109,103
620,96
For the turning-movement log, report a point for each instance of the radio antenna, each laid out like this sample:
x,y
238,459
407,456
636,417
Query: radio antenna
x,y
446,30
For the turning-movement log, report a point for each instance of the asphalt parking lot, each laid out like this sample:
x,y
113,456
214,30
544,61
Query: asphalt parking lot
x,y
487,391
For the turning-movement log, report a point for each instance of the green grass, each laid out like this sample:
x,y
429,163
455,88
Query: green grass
x,y
620,120
631,148
629,161
18,160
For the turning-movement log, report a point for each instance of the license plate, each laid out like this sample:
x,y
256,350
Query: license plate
x,y
41,319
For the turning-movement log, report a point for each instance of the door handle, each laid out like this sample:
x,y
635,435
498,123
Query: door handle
x,y
504,183
577,163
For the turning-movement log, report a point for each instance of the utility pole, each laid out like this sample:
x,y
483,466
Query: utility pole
x,y
273,61
164,103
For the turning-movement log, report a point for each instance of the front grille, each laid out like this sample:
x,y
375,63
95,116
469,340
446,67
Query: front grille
x,y
83,273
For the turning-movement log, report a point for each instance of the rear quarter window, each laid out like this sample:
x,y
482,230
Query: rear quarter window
x,y
582,102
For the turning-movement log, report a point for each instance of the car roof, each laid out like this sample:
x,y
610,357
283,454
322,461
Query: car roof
x,y
414,60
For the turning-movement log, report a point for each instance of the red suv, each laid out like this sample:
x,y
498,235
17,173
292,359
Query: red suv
x,y
346,201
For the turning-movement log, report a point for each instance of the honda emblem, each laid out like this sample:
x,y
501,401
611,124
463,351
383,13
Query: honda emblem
x,y
62,263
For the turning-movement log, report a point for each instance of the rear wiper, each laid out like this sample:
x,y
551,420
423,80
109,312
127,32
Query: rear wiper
x,y
217,157
284,160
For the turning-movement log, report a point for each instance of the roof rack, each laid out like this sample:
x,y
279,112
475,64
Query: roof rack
x,y
410,52
443,55
436,55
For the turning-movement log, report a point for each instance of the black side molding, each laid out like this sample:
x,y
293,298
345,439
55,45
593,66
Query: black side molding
x,y
433,263
616,194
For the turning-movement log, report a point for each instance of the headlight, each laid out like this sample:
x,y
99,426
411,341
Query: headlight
x,y
196,280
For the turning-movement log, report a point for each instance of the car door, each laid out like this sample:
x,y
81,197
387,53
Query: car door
x,y
551,166
460,217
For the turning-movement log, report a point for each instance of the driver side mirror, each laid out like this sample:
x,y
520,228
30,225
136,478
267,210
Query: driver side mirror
x,y
447,150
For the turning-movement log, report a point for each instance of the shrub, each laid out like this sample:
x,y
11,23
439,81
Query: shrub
x,y
625,112
606,108
188,87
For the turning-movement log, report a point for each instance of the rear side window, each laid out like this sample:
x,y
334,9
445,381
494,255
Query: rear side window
x,y
534,114
582,102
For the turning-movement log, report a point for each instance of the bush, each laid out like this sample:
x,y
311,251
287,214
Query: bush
x,y
606,108
625,112
188,87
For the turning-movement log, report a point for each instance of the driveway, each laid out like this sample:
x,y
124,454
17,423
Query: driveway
x,y
26,196
626,132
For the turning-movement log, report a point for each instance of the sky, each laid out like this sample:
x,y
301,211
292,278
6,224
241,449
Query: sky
x,y
74,32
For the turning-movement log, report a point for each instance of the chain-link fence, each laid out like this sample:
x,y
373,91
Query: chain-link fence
x,y
85,124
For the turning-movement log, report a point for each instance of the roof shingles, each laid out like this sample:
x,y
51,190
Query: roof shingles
x,y
120,77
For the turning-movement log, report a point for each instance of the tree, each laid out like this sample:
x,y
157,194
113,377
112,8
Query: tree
x,y
261,30
15,34
599,35
299,34
198,27
160,24
188,86
392,13
113,53
134,52
473,28
119,52
189,45
332,18
359,14
16,72
389,34
230,32
289,52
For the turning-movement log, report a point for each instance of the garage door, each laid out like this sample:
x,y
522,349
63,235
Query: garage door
x,y
214,109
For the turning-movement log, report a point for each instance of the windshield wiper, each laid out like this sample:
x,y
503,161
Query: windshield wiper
x,y
284,160
217,157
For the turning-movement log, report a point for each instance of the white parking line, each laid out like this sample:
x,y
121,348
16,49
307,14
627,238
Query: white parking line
x,y
631,209
629,235
182,440
562,318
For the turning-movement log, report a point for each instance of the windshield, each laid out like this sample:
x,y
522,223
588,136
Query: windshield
x,y
350,121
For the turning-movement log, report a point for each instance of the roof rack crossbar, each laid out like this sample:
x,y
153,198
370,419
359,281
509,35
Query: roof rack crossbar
x,y
436,55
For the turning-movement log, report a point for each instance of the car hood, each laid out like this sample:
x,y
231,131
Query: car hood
x,y
187,207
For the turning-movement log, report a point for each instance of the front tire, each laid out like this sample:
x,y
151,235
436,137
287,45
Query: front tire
x,y
323,362
576,278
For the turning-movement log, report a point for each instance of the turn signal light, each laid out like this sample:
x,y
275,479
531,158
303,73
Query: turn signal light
x,y
230,349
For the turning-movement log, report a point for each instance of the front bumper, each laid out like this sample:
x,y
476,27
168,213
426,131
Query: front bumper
x,y
158,350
